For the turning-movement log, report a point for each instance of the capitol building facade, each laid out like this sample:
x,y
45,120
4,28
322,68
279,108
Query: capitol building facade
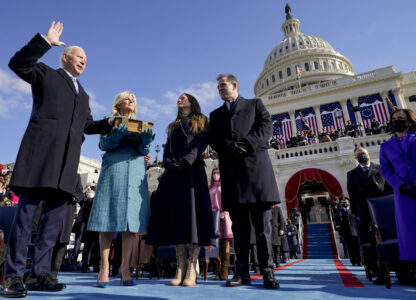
x,y
305,80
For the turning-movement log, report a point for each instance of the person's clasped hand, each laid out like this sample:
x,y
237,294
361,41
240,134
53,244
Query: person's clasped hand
x,y
147,136
117,134
238,150
408,189
176,164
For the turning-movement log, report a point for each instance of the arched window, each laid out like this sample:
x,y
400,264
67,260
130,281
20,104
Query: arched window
x,y
306,66
289,71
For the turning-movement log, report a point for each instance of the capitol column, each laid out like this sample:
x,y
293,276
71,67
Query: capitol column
x,y
360,124
318,117
399,98
345,110
292,121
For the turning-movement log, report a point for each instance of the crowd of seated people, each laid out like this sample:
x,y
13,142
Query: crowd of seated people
x,y
303,139
7,197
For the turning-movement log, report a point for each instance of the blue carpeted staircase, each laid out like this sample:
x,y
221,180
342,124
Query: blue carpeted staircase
x,y
318,242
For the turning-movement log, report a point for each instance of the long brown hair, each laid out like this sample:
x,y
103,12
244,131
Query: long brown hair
x,y
411,117
198,120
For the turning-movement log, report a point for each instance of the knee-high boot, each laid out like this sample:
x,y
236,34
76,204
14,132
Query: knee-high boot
x,y
190,278
181,265
225,258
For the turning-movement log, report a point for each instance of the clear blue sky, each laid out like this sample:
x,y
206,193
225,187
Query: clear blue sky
x,y
158,49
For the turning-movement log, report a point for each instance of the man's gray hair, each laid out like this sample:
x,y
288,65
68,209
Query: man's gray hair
x,y
68,51
229,77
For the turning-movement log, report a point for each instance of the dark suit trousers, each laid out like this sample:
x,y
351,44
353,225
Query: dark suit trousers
x,y
49,226
261,218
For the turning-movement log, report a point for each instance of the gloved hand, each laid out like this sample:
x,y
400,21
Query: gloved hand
x,y
147,136
408,189
237,150
117,134
175,164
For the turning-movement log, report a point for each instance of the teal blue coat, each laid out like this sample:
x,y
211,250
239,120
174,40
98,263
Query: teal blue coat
x,y
121,199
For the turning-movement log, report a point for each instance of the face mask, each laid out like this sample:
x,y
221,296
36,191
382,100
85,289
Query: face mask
x,y
398,125
363,158
216,177
90,195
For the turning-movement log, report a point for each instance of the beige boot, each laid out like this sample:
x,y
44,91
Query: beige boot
x,y
225,258
181,265
190,279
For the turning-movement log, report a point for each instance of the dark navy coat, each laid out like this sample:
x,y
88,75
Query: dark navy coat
x,y
181,210
250,180
50,150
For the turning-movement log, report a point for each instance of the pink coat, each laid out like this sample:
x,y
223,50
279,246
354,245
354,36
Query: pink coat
x,y
225,221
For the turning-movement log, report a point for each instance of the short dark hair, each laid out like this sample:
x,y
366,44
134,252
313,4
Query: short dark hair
x,y
229,77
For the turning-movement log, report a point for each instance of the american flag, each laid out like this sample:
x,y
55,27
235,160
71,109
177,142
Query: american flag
x,y
372,106
284,131
329,117
299,71
309,118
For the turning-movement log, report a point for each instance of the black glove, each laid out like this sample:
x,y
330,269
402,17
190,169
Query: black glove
x,y
175,164
408,189
237,150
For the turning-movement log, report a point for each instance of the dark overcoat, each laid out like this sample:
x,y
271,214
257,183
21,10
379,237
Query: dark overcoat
x,y
250,180
398,166
278,223
292,238
181,209
362,186
66,229
50,150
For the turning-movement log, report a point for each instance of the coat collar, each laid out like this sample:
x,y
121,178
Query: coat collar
x,y
393,140
69,81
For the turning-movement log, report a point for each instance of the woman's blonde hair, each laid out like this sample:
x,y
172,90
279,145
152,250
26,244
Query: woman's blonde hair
x,y
120,97
198,121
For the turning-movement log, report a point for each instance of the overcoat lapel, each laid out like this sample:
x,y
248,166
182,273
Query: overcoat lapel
x,y
412,139
68,80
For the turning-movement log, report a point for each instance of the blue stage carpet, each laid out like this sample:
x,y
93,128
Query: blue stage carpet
x,y
305,280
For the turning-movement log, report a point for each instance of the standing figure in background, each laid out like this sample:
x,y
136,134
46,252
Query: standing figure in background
x,y
121,201
239,132
346,226
47,162
278,225
226,234
292,237
181,210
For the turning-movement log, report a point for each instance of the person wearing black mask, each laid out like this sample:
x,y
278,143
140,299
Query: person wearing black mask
x,y
398,166
364,182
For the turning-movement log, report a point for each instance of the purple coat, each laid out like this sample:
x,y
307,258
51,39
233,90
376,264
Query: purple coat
x,y
398,165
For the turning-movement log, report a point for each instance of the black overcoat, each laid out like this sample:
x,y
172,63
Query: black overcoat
x,y
68,221
50,150
181,209
278,223
292,238
362,186
250,180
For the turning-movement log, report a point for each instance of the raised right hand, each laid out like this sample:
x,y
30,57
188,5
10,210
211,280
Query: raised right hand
x,y
117,134
54,34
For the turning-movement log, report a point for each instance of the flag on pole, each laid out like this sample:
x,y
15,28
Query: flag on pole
x,y
299,71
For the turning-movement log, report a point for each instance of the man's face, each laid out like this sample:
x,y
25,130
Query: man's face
x,y
362,156
75,62
228,90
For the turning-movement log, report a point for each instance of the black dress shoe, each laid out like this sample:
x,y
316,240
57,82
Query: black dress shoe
x,y
13,288
269,281
43,283
238,280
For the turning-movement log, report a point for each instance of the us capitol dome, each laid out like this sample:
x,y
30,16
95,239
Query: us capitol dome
x,y
316,57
